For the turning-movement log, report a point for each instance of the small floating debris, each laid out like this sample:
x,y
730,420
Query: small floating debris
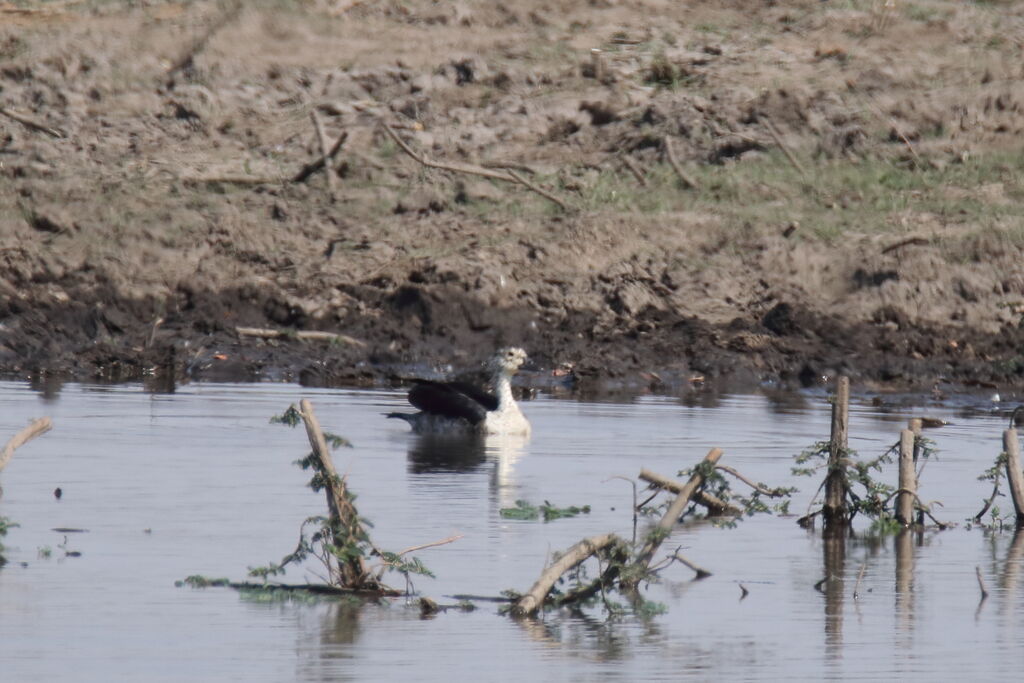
x,y
69,530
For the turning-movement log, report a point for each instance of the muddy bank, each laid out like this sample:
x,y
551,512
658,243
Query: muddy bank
x,y
745,195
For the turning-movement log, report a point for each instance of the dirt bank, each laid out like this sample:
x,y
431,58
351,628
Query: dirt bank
x,y
750,192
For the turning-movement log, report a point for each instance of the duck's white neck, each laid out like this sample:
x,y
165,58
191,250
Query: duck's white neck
x,y
503,390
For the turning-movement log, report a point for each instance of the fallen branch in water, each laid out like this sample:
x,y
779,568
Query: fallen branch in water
x,y
315,335
508,176
714,504
772,493
528,604
34,429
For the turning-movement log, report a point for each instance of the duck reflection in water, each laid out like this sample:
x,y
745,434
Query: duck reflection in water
x,y
449,453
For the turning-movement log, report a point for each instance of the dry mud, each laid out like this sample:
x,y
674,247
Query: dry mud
x,y
152,209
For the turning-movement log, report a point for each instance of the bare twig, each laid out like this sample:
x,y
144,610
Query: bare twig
x,y
634,169
782,145
701,572
860,577
910,241
633,484
315,335
981,582
444,541
32,123
670,154
322,162
34,429
507,176
197,46
773,493
325,152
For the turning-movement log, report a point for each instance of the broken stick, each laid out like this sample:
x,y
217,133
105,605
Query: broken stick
x,y
32,123
532,601
321,162
34,429
714,504
670,154
325,152
316,335
509,176
664,527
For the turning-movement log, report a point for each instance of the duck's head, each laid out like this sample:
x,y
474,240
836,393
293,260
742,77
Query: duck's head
x,y
508,359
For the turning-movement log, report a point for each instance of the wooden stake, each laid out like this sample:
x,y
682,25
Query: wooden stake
x,y
834,509
598,65
34,429
1011,446
908,480
534,598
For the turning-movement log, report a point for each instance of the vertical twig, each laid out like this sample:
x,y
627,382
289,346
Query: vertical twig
x,y
670,154
860,577
325,152
981,582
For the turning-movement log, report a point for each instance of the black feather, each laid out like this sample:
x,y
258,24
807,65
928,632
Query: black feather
x,y
452,400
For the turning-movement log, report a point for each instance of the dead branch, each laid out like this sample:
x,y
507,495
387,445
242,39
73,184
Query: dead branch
x,y
701,572
665,524
910,241
230,180
508,176
670,154
199,44
322,162
635,170
344,518
783,146
32,123
714,504
444,541
528,604
522,168
315,335
773,493
34,429
981,582
988,503
325,152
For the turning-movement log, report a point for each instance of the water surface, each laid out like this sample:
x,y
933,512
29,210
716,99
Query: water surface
x,y
199,482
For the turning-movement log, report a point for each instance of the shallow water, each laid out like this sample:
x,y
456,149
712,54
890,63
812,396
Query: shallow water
x,y
198,482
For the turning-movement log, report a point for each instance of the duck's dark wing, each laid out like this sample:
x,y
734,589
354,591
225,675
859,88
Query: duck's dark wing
x,y
487,400
444,399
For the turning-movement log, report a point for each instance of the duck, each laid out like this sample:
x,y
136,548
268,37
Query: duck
x,y
461,407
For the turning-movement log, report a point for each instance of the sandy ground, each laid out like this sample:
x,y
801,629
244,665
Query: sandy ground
x,y
848,195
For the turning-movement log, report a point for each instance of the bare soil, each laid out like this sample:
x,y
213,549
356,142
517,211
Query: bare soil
x,y
858,201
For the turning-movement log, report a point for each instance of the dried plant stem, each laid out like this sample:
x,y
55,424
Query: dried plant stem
x,y
783,146
323,161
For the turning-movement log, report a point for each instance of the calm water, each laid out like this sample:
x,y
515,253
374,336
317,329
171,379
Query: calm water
x,y
198,482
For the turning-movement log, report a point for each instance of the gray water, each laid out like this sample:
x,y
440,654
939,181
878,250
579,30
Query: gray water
x,y
198,482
